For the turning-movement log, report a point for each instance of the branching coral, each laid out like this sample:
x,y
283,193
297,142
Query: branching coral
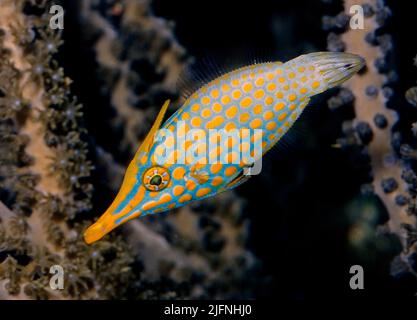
x,y
375,126
46,169
44,163
138,59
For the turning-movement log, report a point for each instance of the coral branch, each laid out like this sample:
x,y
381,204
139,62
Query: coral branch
x,y
50,171
375,122
366,108
141,61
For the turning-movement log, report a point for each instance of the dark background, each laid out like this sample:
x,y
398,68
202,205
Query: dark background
x,y
307,199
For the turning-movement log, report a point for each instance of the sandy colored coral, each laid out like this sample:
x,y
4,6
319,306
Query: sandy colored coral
x,y
375,119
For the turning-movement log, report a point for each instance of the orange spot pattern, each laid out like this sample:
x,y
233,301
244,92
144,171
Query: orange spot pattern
x,y
268,96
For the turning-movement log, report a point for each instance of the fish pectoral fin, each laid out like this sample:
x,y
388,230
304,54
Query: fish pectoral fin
x,y
200,176
148,141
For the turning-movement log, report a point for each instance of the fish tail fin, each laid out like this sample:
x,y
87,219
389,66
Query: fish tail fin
x,y
335,67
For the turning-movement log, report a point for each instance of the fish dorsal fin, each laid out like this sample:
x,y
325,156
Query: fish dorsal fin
x,y
202,71
148,141
198,74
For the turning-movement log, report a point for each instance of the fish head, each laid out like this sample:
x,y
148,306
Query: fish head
x,y
147,190
147,187
156,180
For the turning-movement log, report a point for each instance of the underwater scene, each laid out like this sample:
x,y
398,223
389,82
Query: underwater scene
x,y
208,150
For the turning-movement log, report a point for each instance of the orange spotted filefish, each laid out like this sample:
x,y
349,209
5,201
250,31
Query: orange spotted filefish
x,y
265,96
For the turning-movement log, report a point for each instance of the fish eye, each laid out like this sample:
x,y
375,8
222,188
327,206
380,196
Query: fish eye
x,y
156,178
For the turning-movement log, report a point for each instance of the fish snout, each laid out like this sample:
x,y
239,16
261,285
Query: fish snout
x,y
100,228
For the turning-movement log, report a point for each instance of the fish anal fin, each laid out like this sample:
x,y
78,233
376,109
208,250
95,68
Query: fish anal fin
x,y
238,180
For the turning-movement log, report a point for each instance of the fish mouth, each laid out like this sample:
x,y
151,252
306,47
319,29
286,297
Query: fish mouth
x,y
98,230
337,67
106,223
